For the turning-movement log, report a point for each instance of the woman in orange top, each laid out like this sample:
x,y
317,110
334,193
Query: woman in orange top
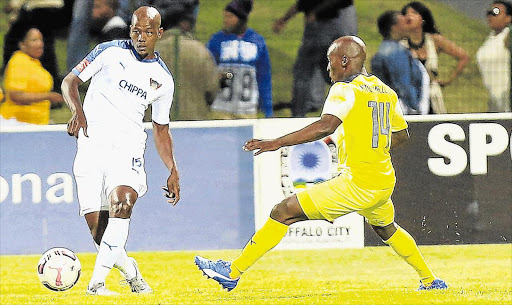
x,y
28,85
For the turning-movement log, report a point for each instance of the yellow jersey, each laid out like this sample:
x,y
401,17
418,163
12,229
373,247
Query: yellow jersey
x,y
24,73
370,112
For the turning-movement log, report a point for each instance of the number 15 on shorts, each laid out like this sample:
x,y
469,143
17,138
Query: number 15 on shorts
x,y
136,164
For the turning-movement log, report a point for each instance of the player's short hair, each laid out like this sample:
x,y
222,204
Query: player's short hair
x,y
385,21
506,4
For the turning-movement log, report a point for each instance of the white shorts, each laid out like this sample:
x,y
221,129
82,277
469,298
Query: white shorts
x,y
100,168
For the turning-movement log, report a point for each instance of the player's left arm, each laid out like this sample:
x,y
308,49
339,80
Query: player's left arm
x,y
314,131
399,126
164,146
399,137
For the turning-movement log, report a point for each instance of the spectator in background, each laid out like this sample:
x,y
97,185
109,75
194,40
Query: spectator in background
x,y
28,84
241,53
78,37
325,21
48,16
493,57
396,66
106,25
425,42
171,10
192,66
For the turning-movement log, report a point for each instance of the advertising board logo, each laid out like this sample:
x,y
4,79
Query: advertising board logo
x,y
306,164
30,187
486,140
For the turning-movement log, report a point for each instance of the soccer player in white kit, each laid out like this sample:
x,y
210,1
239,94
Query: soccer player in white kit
x,y
126,76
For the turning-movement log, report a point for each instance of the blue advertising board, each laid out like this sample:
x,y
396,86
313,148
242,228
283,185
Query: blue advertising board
x,y
39,207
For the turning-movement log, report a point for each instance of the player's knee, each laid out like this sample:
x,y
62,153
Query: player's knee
x,y
276,213
120,209
280,212
385,232
122,200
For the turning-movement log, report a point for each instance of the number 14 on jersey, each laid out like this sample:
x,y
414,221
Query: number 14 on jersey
x,y
380,114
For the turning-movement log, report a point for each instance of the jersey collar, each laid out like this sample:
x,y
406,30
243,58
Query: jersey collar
x,y
351,78
134,52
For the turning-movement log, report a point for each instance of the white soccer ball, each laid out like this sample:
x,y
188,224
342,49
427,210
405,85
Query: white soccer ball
x,y
59,269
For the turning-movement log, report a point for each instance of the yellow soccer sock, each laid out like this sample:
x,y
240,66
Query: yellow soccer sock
x,y
260,243
405,246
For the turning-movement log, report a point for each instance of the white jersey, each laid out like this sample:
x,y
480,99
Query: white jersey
x,y
122,87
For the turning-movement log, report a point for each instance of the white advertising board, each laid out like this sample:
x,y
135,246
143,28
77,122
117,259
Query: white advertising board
x,y
283,172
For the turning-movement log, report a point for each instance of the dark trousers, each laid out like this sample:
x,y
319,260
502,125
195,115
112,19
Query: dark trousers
x,y
310,68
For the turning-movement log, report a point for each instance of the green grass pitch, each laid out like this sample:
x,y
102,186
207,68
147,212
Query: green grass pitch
x,y
477,274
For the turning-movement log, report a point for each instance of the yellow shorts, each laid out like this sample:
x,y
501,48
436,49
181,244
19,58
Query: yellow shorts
x,y
340,196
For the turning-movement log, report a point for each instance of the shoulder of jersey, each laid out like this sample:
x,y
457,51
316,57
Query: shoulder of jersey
x,y
255,36
110,45
347,83
164,67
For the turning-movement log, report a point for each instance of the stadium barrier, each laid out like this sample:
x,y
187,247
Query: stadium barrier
x,y
39,208
454,186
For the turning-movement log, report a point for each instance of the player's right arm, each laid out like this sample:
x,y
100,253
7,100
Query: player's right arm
x,y
72,98
338,104
82,72
314,131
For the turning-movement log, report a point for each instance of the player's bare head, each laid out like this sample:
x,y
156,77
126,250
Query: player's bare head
x,y
346,57
145,30
148,14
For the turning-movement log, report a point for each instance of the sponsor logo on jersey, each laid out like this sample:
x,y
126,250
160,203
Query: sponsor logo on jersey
x,y
123,84
82,65
154,84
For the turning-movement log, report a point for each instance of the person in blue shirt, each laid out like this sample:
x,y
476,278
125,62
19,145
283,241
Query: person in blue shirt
x,y
396,67
243,63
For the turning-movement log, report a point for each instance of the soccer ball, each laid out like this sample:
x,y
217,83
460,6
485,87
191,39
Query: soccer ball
x,y
59,269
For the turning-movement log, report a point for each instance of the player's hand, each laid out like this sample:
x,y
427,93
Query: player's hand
x,y
76,122
261,145
172,190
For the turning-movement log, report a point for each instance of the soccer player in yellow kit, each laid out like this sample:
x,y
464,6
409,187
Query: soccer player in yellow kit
x,y
370,113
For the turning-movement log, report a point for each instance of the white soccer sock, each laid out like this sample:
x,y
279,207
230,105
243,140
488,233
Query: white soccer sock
x,y
111,247
123,264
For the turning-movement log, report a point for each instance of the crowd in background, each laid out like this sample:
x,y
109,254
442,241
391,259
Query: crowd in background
x,y
230,76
